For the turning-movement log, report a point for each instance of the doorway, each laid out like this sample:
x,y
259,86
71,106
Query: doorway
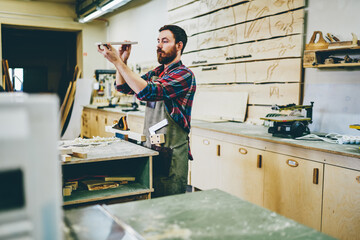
x,y
40,60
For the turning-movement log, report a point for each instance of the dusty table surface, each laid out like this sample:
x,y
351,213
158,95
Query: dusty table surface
x,y
210,214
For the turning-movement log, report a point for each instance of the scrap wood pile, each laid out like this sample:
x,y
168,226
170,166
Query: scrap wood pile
x,y
94,183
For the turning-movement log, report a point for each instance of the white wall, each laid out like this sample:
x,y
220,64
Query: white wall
x,y
336,92
140,23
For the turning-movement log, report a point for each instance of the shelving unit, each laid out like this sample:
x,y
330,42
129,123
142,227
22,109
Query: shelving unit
x,y
117,159
316,58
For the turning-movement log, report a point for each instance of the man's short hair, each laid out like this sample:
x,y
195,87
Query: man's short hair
x,y
178,32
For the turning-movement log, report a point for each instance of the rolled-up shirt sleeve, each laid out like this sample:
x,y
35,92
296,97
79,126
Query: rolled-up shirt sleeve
x,y
174,84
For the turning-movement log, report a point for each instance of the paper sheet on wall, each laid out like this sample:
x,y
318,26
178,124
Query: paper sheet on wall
x,y
82,98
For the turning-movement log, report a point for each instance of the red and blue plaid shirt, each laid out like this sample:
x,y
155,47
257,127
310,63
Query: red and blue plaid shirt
x,y
175,86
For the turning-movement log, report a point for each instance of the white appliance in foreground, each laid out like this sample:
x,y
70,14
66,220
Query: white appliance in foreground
x,y
30,170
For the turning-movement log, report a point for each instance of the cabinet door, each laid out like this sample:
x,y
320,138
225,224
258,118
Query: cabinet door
x,y
94,124
293,188
85,121
241,172
341,206
205,166
107,119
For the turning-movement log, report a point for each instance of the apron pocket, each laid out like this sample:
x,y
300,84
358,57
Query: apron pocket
x,y
162,162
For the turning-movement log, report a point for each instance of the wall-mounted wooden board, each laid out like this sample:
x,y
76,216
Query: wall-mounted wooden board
x,y
261,94
274,26
271,71
188,18
220,105
283,47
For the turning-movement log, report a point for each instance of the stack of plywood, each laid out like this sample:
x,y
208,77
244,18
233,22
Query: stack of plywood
x,y
243,53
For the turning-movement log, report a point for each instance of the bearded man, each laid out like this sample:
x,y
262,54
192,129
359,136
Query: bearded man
x,y
169,92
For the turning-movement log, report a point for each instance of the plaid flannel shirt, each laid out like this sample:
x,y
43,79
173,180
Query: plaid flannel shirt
x,y
175,86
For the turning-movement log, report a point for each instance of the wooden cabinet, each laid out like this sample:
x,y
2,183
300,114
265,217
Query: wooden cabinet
x,y
341,207
94,122
320,189
293,188
205,167
241,172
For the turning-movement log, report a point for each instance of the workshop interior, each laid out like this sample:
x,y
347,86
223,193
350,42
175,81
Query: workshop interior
x,y
275,121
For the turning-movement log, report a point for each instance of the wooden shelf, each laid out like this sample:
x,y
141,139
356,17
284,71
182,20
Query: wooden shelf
x,y
83,196
335,65
316,58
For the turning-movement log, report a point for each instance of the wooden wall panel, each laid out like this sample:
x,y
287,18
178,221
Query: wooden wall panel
x,y
268,27
220,105
272,71
237,47
172,4
199,8
260,94
284,47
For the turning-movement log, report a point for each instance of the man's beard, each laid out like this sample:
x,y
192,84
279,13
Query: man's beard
x,y
168,58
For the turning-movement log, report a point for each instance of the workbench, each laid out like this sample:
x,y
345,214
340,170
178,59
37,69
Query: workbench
x,y
120,158
210,214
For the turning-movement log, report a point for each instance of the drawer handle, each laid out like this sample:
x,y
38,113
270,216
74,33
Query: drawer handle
x,y
358,179
316,176
96,118
218,150
259,161
105,120
292,163
206,142
243,151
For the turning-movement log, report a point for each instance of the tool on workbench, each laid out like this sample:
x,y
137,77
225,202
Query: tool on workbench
x,y
290,126
320,44
121,124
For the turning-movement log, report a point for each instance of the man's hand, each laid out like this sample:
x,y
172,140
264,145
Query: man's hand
x,y
124,52
110,53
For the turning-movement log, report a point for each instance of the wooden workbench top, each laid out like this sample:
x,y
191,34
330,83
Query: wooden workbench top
x,y
210,214
261,133
109,151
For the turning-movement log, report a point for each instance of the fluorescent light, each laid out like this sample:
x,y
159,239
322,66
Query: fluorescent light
x,y
110,5
91,16
104,9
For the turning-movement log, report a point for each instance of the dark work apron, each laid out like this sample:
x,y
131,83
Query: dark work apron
x,y
170,168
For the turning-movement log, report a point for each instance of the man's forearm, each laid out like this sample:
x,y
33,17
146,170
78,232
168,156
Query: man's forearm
x,y
124,74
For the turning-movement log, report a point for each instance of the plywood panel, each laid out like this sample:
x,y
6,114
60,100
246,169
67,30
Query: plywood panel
x,y
268,27
265,94
238,14
218,105
341,209
268,49
198,8
280,70
171,4
260,8
271,71
216,74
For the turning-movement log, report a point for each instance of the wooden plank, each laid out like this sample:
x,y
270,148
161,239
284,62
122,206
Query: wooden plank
x,y
70,100
198,8
215,74
238,14
282,47
132,135
264,94
172,4
212,104
265,28
281,70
